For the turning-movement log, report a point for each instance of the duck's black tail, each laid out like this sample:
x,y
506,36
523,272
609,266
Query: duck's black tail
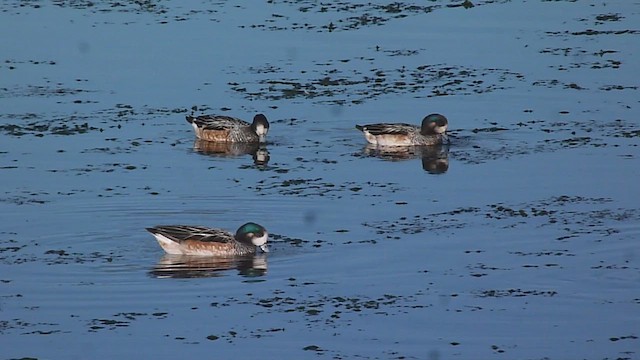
x,y
360,127
190,118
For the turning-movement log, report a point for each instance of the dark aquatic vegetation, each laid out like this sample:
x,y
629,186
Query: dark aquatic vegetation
x,y
325,83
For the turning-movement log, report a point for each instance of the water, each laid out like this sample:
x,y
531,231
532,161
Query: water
x,y
517,240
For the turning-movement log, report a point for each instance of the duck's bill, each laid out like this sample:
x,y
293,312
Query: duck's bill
x,y
264,248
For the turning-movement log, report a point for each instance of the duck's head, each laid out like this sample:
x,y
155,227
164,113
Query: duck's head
x,y
252,233
434,124
260,126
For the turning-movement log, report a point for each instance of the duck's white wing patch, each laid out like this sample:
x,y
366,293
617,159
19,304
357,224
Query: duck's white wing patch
x,y
168,245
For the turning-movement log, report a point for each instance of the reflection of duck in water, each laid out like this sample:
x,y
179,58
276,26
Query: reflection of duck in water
x,y
199,240
229,129
183,266
258,151
431,132
435,159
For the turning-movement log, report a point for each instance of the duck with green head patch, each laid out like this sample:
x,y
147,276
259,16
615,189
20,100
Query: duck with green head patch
x,y
431,132
199,240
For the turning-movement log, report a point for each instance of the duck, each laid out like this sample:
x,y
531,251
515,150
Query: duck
x,y
224,128
431,132
205,241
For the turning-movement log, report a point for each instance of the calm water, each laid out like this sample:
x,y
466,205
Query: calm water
x,y
517,241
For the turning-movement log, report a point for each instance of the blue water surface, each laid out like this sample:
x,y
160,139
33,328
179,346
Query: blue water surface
x,y
517,240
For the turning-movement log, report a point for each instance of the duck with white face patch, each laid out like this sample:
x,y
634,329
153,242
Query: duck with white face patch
x,y
431,132
199,240
224,128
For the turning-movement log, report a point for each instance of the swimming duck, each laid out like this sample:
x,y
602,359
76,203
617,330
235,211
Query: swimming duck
x,y
432,132
199,240
229,129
